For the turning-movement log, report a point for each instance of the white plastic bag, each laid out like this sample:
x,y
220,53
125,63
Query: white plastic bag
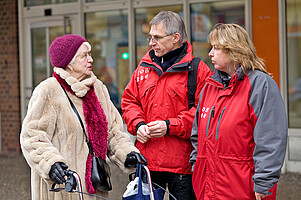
x,y
138,190
132,188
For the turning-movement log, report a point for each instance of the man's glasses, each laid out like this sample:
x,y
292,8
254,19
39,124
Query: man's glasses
x,y
156,38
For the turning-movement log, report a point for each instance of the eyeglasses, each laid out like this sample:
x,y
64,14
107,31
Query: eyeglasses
x,y
156,38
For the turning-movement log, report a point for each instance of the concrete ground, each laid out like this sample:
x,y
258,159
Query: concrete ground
x,y
15,181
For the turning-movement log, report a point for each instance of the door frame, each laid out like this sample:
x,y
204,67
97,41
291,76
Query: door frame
x,y
26,78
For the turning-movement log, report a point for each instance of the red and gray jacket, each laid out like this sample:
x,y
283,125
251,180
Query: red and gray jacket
x,y
152,95
239,137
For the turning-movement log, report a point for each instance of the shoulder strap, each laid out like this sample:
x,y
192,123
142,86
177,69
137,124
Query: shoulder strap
x,y
80,120
192,81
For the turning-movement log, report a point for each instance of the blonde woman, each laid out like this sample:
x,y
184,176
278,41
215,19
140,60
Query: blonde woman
x,y
240,130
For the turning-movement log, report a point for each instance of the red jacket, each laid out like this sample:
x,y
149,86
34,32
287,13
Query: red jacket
x,y
239,137
151,95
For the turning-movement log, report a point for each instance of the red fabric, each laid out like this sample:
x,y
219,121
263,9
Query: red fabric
x,y
149,97
224,165
97,128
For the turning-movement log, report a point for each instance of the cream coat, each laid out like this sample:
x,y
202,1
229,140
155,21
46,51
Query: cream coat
x,y
51,133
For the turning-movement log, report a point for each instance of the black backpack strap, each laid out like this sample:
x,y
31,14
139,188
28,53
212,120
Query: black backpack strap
x,y
192,81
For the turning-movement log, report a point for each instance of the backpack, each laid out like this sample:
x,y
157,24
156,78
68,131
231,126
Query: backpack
x,y
192,81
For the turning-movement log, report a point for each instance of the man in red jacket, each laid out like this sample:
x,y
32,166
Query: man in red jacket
x,y
155,104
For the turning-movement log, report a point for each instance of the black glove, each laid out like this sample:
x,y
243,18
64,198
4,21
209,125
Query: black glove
x,y
133,158
57,172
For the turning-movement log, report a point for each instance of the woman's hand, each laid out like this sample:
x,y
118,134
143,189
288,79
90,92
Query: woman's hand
x,y
260,196
133,158
57,173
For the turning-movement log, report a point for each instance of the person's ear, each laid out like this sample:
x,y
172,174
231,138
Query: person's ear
x,y
176,37
69,68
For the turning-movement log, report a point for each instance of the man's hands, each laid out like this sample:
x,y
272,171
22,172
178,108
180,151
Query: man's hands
x,y
157,128
150,130
143,134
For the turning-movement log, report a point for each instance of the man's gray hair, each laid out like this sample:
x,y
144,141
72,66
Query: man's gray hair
x,y
172,22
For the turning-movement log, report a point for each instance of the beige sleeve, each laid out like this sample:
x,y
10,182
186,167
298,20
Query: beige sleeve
x,y
37,129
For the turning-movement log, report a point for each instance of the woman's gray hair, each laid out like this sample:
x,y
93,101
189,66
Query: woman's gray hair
x,y
79,50
172,22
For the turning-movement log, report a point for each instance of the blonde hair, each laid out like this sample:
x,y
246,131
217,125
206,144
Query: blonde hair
x,y
235,42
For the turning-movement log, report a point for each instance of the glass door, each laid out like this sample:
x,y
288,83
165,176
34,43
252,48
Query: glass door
x,y
204,15
36,41
107,31
41,36
293,45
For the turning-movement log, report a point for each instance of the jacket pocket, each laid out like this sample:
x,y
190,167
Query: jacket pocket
x,y
233,174
145,90
178,95
211,115
218,123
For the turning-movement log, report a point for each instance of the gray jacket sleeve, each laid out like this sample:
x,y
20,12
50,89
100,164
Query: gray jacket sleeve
x,y
194,133
270,132
194,138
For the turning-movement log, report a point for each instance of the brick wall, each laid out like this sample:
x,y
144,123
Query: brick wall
x,y
9,76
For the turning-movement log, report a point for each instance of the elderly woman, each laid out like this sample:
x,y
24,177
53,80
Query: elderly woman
x,y
52,138
240,130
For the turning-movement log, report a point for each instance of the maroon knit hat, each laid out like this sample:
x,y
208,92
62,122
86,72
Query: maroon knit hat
x,y
63,49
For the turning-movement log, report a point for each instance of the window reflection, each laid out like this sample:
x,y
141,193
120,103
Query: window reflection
x,y
204,16
45,2
39,47
95,0
38,44
294,61
142,18
107,32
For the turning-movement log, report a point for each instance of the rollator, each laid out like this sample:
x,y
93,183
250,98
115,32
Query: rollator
x,y
73,185
140,187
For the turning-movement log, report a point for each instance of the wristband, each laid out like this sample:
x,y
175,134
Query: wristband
x,y
167,124
138,125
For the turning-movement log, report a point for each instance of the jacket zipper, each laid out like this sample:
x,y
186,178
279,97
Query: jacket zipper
x,y
208,122
218,123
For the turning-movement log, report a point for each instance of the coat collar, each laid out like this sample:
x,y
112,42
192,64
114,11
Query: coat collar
x,y
185,56
223,78
80,88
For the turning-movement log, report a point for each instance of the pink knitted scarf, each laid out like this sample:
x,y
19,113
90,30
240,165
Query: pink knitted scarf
x,y
97,128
